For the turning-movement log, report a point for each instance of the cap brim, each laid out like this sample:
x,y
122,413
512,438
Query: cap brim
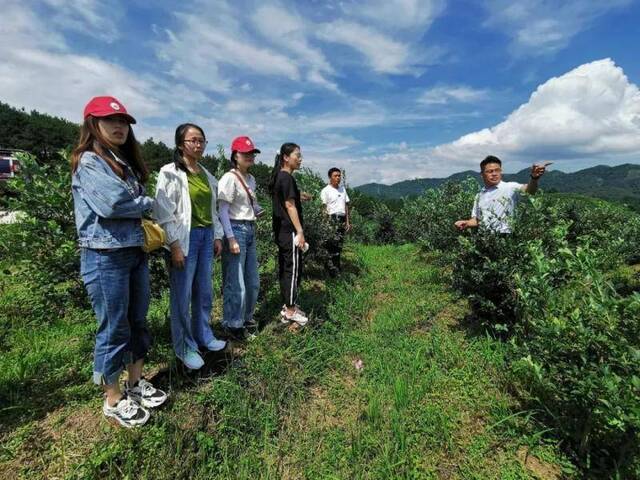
x,y
111,113
253,150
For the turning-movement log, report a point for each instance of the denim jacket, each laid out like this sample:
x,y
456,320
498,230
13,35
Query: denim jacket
x,y
108,209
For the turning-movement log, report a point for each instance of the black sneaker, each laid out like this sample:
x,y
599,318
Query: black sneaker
x,y
238,334
145,394
127,412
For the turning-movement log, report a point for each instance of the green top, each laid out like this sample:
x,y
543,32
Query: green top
x,y
200,195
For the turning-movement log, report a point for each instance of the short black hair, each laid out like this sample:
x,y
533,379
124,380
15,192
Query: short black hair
x,y
489,159
334,169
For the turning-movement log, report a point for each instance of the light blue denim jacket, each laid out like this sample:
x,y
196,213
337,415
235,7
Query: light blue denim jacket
x,y
108,209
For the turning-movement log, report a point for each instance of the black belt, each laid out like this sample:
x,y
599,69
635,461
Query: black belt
x,y
242,221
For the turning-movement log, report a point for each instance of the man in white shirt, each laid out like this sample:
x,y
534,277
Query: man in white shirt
x,y
495,204
336,201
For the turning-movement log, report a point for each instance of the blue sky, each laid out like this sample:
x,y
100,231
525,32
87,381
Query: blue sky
x,y
388,89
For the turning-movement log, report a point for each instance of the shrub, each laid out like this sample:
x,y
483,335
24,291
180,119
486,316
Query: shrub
x,y
576,341
44,245
579,355
428,219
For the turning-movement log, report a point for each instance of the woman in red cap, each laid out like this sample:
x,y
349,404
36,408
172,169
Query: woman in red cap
x,y
186,208
239,210
109,202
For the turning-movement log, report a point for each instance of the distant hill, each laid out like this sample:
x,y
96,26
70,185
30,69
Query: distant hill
x,y
620,183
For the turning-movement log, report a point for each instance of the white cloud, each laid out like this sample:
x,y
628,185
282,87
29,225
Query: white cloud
x,y
283,27
397,14
592,111
444,94
539,27
203,44
60,82
89,17
384,54
590,114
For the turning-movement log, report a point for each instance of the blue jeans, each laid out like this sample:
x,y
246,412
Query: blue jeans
x,y
240,276
192,286
117,281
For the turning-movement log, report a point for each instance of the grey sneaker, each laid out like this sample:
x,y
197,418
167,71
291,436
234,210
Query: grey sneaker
x,y
127,412
145,394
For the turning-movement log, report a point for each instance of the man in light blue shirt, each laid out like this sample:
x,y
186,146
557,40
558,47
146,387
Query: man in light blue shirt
x,y
495,204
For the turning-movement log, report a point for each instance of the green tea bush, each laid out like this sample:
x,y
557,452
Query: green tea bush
x,y
578,355
43,243
428,219
576,340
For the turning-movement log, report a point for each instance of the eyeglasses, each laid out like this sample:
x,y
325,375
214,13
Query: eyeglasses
x,y
194,141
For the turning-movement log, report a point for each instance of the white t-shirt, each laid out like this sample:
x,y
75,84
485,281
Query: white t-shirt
x,y
494,206
231,190
335,199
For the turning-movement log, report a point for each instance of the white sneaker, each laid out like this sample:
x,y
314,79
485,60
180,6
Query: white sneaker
x,y
298,309
297,317
127,412
145,394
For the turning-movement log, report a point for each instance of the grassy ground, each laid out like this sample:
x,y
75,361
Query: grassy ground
x,y
385,383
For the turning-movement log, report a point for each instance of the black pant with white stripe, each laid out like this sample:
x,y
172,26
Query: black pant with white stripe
x,y
289,267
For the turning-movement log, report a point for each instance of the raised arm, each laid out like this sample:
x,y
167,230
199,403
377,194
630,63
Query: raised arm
x,y
537,170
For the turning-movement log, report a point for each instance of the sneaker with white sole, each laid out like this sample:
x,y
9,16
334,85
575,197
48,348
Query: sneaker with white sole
x,y
126,412
298,309
298,317
145,394
192,360
216,345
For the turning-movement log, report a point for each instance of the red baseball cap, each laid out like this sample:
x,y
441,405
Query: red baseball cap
x,y
106,106
243,145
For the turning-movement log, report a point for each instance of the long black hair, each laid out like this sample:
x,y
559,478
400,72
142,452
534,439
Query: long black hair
x,y
286,149
181,132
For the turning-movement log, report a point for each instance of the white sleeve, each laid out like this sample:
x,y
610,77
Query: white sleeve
x,y
346,196
227,188
323,195
164,208
475,211
218,231
517,187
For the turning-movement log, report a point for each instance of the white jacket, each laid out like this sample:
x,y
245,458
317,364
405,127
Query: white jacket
x,y
172,208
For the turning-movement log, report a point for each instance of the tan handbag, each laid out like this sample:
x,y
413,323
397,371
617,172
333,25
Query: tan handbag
x,y
154,236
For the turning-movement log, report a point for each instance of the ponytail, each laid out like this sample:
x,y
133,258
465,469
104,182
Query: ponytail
x,y
285,150
277,165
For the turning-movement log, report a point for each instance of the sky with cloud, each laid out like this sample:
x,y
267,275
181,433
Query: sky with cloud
x,y
387,89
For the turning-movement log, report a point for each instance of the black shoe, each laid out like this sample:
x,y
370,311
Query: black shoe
x,y
237,334
251,325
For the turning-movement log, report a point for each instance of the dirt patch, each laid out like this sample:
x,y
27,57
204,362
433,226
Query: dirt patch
x,y
452,314
64,438
539,468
